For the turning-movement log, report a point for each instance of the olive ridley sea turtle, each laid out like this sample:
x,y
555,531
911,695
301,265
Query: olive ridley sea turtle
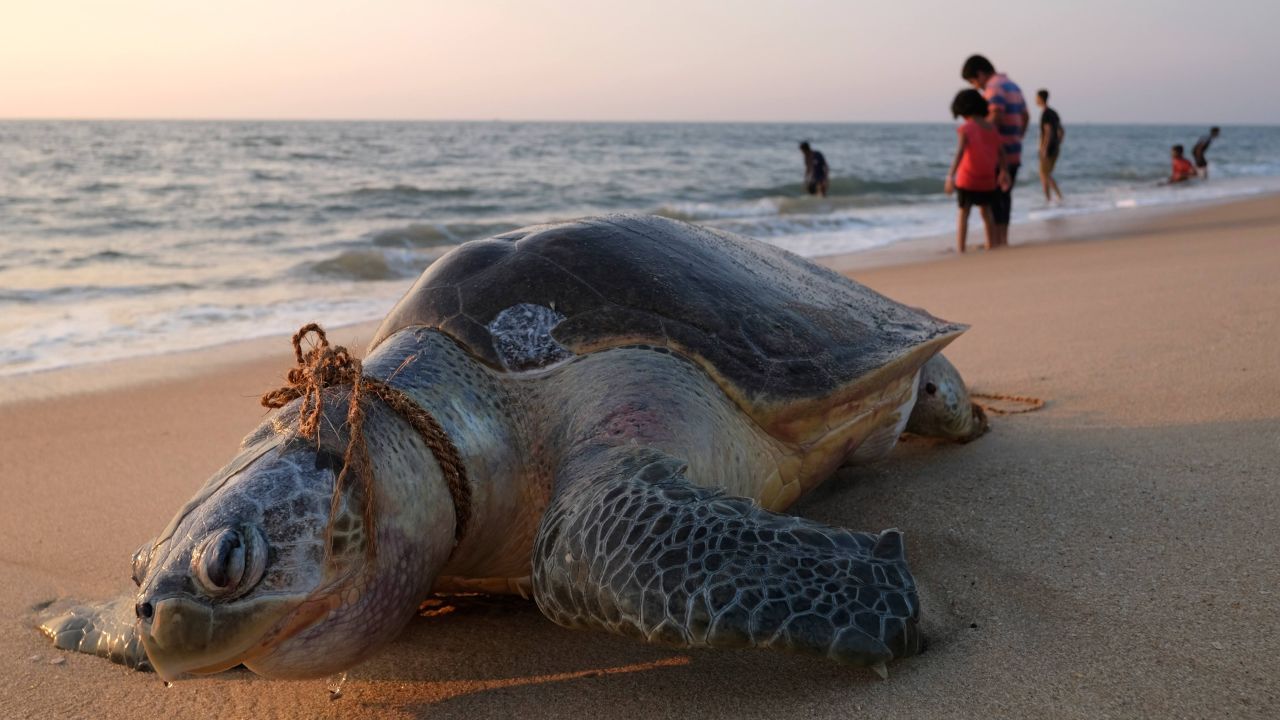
x,y
634,401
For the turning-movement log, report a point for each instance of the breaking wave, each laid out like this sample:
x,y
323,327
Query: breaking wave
x,y
367,265
925,185
424,235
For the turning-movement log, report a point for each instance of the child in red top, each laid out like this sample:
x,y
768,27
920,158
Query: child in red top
x,y
979,166
1182,168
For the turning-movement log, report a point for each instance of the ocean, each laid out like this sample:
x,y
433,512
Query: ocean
x,y
123,238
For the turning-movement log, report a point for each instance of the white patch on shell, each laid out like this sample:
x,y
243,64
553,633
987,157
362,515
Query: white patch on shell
x,y
522,337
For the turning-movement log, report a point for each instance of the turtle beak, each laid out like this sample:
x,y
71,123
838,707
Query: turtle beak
x,y
184,635
980,423
174,632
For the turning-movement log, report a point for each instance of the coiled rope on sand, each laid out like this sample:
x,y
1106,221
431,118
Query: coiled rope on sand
x,y
1032,403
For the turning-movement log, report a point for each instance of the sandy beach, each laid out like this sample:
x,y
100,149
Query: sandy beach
x,y
1116,554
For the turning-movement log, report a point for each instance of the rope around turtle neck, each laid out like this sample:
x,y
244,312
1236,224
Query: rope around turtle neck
x,y
325,366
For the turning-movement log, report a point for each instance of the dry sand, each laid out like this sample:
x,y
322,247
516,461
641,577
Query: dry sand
x,y
1114,555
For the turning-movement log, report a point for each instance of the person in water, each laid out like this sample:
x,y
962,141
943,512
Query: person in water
x,y
1051,134
979,170
1009,114
815,171
1200,148
1182,169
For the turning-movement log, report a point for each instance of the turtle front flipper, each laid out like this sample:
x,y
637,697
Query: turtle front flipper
x,y
631,546
108,630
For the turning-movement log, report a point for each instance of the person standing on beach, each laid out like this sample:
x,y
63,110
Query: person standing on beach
x,y
1009,114
1051,134
978,171
1198,151
815,171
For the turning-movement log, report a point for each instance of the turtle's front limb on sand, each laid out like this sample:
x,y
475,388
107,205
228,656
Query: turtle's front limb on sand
x,y
943,408
631,546
108,630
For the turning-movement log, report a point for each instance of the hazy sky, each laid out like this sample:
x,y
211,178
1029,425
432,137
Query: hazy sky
x,y
803,60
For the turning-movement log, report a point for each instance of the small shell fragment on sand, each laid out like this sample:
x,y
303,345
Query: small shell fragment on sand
x,y
335,690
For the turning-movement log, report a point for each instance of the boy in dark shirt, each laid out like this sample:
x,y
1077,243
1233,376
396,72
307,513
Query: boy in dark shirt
x,y
1197,152
815,171
1051,134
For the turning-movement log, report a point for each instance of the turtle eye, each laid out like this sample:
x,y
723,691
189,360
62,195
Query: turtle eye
x,y
229,562
141,559
931,388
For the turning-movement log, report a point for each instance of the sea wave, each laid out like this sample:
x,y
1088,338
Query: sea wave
x,y
921,185
83,334
844,194
416,235
427,235
355,265
99,186
695,211
772,227
366,265
404,192
64,293
259,141
802,209
102,256
172,188
96,227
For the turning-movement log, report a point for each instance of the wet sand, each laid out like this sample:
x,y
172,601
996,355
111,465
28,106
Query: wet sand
x,y
1116,554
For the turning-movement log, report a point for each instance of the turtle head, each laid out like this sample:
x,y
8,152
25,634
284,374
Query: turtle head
x,y
943,408
266,568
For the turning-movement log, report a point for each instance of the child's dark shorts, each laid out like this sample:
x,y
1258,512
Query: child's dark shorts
x,y
968,198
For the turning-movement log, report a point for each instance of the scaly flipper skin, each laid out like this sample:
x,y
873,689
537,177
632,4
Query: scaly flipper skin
x,y
108,630
631,546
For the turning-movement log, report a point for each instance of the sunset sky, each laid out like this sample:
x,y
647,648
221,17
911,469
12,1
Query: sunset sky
x,y
818,60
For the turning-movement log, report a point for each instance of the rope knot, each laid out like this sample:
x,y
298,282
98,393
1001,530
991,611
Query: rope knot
x,y
321,367
324,366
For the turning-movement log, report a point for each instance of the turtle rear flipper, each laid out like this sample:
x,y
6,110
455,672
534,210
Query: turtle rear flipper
x,y
108,630
631,546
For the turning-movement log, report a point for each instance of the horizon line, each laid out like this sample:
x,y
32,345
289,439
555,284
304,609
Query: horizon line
x,y
586,121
